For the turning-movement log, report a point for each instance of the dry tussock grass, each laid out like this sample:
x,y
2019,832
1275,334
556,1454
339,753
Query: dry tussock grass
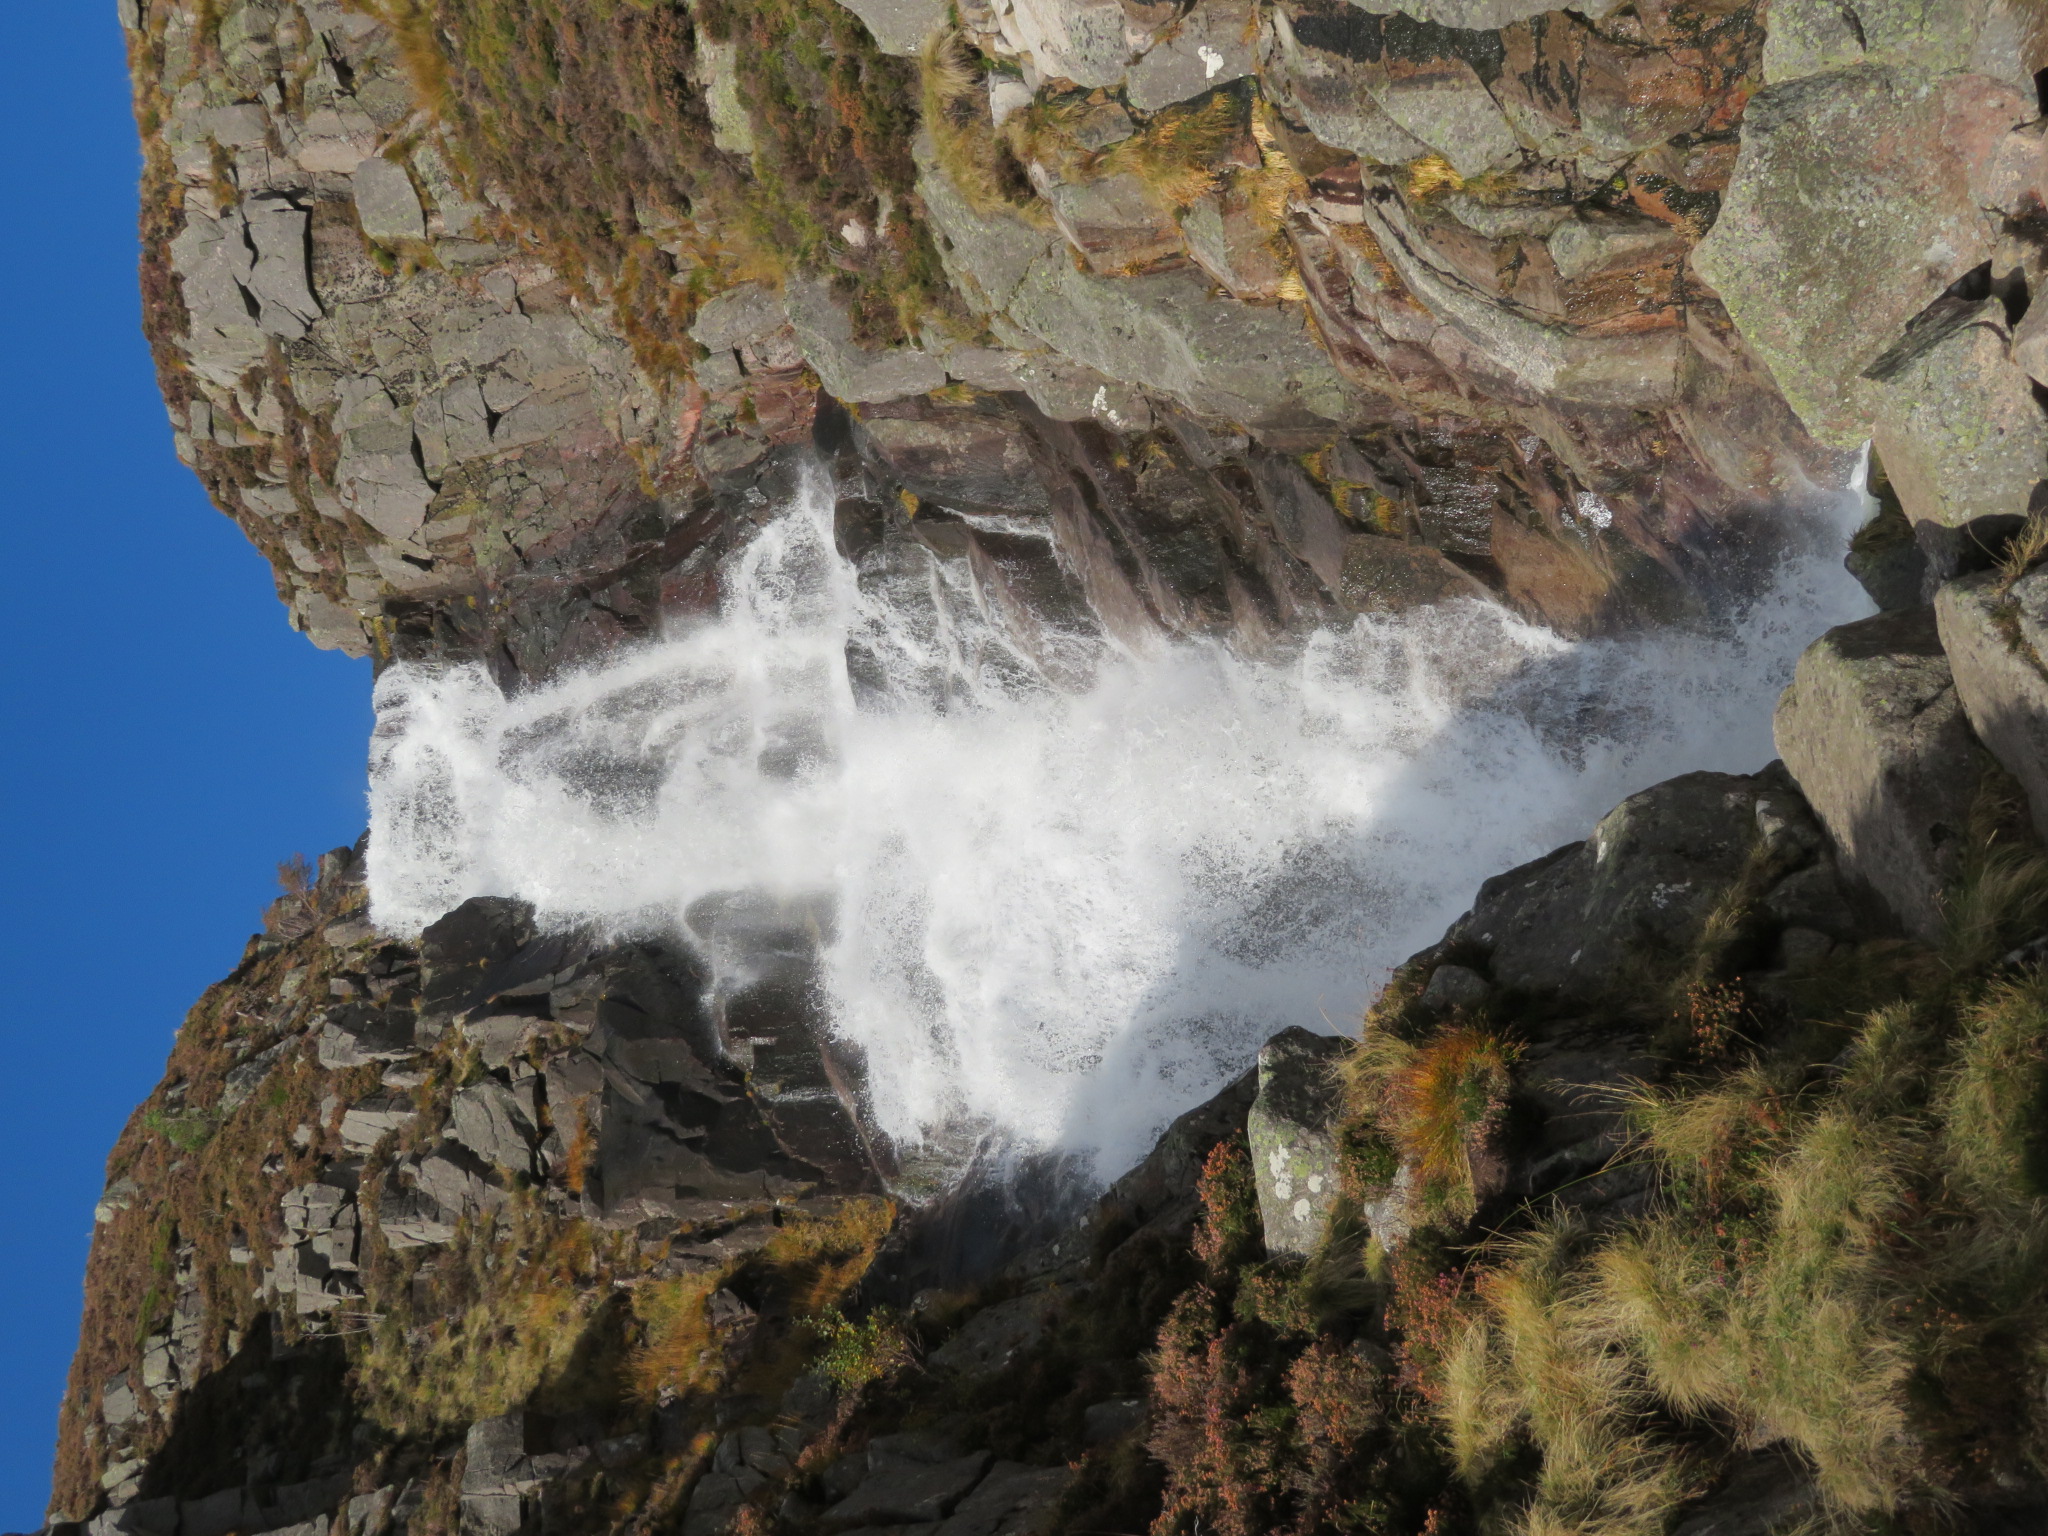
x,y
1436,1102
1848,1260
1178,154
2024,550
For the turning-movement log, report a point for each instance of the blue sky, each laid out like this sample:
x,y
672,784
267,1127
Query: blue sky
x,y
168,738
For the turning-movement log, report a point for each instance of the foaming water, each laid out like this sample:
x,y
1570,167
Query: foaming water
x,y
1063,914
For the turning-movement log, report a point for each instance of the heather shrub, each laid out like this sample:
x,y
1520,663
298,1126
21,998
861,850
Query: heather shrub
x,y
1272,1409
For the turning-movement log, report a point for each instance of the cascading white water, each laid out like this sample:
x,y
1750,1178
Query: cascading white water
x,y
1066,914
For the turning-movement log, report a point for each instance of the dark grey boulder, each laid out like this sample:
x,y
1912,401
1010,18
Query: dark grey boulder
x,y
495,1123
994,1336
1453,989
1581,919
903,1490
1012,1500
1112,1420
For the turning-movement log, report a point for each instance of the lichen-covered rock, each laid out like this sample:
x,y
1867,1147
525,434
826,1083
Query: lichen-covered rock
x,y
1226,237
387,207
1209,46
1955,418
1811,37
1852,208
1116,225
1995,637
1291,1132
1472,14
1085,41
1319,65
1170,334
1878,740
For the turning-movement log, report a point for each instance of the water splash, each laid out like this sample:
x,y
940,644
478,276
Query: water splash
x,y
1063,913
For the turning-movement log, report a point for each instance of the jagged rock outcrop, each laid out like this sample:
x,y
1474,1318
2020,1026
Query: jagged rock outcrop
x,y
485,1076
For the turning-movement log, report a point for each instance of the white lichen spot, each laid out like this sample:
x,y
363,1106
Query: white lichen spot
x,y
1301,1210
1284,1190
1315,1183
1212,61
1277,1161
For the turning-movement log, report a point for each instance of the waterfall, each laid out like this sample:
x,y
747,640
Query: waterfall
x,y
1066,910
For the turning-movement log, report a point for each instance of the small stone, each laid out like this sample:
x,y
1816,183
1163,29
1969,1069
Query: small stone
x,y
386,204
1006,98
119,1196
349,932
1102,125
366,1124
118,1403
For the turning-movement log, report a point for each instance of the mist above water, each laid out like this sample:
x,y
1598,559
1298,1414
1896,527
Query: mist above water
x,y
1063,914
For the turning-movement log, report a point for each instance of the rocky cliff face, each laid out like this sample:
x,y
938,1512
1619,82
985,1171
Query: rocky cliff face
x,y
483,323
1690,1183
